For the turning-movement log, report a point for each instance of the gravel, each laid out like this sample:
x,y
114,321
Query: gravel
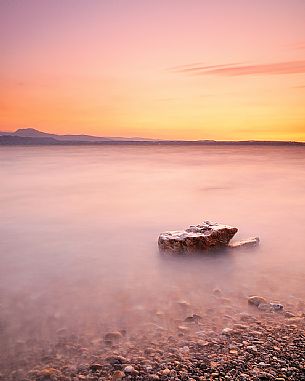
x,y
246,345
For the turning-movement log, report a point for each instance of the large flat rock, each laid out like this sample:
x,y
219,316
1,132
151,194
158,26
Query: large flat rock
x,y
196,238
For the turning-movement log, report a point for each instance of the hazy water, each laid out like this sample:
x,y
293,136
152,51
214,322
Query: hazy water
x,y
79,229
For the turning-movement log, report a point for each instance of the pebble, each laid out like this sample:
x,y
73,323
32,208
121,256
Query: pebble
x,y
118,375
183,304
182,328
116,360
165,372
96,367
193,319
227,331
252,346
129,369
240,326
233,352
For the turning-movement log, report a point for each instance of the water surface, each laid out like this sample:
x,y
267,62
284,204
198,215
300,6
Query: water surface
x,y
79,229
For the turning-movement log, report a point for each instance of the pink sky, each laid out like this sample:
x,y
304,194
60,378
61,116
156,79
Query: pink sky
x,y
189,69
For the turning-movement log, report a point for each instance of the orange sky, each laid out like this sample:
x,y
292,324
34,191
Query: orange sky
x,y
183,69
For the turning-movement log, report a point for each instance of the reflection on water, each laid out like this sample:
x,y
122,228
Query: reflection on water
x,y
79,228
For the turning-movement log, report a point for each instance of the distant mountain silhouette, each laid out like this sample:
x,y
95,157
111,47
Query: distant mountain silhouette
x,y
33,133
20,140
31,136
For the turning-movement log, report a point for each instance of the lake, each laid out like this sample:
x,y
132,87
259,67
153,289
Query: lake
x,y
79,229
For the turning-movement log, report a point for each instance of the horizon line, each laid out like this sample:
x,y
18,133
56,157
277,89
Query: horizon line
x,y
147,139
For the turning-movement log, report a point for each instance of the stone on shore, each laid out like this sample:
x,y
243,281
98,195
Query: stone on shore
x,y
196,238
118,375
227,331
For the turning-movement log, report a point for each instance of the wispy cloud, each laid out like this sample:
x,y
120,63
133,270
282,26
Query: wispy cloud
x,y
291,67
200,67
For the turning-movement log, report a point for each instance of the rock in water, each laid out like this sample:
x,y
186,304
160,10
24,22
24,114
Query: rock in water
x,y
253,241
276,306
196,238
256,300
112,337
271,307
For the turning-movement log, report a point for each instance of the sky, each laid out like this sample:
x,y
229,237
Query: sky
x,y
168,69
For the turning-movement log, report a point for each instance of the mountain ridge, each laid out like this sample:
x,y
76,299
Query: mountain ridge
x,y
34,133
31,136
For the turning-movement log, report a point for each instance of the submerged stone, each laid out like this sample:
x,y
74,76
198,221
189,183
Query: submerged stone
x,y
256,300
276,306
111,337
196,238
264,306
193,319
271,307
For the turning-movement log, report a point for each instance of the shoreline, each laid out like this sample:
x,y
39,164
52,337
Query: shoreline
x,y
252,345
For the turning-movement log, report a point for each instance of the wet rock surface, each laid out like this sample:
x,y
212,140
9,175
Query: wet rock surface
x,y
196,238
250,242
261,304
208,341
199,238
256,300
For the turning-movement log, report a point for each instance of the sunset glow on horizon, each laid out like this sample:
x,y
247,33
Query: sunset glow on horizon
x,y
184,69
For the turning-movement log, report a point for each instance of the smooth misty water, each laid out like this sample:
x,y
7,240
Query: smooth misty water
x,y
79,229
